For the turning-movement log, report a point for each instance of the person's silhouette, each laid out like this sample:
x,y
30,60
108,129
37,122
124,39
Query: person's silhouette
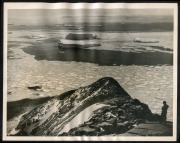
x,y
164,112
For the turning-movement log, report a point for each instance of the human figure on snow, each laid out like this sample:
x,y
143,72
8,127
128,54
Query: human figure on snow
x,y
164,112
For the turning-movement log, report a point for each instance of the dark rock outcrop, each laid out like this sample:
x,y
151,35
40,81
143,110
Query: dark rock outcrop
x,y
35,87
120,114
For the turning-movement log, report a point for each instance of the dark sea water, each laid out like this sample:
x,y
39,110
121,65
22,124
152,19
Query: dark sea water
x,y
101,57
115,49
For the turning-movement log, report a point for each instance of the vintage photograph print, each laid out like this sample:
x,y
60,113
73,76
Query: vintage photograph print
x,y
90,72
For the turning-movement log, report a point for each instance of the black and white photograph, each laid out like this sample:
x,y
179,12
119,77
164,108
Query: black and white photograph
x,y
90,71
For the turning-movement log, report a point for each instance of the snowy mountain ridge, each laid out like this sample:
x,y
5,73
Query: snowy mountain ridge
x,y
101,108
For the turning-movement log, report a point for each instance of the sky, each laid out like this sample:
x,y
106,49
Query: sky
x,y
59,16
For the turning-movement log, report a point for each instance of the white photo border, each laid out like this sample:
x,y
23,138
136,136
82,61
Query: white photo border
x,y
29,5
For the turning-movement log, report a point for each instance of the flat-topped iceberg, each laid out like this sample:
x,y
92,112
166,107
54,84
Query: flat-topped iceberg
x,y
79,41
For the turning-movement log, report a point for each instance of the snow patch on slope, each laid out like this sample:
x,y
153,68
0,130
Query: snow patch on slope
x,y
82,117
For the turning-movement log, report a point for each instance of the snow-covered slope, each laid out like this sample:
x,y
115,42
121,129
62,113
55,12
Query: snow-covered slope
x,y
101,108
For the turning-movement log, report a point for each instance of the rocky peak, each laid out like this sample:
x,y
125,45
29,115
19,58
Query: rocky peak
x,y
106,87
108,84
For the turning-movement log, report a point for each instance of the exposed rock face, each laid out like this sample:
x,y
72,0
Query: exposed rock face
x,y
118,113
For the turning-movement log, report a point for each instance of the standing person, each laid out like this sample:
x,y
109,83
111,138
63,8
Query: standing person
x,y
164,112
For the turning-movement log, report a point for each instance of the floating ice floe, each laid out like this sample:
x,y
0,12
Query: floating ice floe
x,y
36,36
145,40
